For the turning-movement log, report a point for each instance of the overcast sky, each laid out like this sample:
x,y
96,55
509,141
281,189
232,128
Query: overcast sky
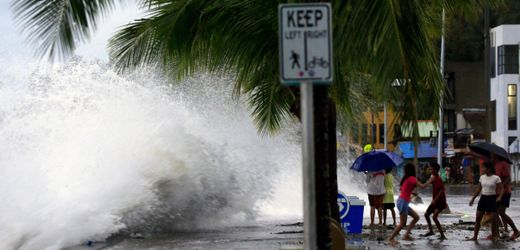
x,y
13,46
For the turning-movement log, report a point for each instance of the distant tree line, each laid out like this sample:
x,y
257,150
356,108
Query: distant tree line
x,y
465,34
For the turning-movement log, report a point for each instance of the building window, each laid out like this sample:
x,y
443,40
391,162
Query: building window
x,y
511,106
397,132
510,140
382,133
450,83
508,59
493,65
493,115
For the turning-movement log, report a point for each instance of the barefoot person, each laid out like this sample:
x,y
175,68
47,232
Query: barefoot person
x,y
438,203
408,183
503,171
388,200
490,185
376,192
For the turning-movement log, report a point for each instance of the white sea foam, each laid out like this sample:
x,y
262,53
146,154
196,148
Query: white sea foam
x,y
85,153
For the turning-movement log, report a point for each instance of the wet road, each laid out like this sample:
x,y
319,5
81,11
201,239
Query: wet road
x,y
288,234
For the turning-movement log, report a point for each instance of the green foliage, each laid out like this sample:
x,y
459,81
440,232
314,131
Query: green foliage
x,y
56,26
466,33
508,12
375,43
394,43
227,37
464,39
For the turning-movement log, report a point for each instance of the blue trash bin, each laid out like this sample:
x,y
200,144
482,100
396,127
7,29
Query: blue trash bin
x,y
351,213
355,216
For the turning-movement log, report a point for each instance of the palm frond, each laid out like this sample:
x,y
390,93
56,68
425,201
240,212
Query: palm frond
x,y
56,26
383,40
225,37
135,44
397,45
240,37
271,103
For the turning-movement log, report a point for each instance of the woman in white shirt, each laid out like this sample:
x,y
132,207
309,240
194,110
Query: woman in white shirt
x,y
376,192
491,188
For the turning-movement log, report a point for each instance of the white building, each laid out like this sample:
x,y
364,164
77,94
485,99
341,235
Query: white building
x,y
504,84
505,129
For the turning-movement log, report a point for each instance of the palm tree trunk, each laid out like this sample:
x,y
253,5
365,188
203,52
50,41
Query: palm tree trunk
x,y
326,164
333,144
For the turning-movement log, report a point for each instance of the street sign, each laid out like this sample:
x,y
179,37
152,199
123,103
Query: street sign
x,y
305,42
306,58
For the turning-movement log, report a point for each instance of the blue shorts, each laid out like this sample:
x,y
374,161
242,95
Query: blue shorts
x,y
402,206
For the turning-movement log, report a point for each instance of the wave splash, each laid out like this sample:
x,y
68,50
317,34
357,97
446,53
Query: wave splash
x,y
86,153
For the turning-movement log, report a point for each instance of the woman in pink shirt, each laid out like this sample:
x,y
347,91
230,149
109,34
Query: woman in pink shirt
x,y
408,184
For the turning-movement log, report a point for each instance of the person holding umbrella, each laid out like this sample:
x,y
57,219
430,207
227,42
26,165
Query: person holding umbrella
x,y
501,162
373,163
376,192
503,171
375,189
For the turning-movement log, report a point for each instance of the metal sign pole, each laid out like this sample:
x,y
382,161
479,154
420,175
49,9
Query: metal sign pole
x,y
306,58
309,190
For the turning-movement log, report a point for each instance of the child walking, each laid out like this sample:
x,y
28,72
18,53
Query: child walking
x,y
491,187
438,203
388,200
408,183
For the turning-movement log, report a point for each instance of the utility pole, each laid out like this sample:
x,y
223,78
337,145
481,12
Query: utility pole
x,y
372,129
384,128
440,132
487,68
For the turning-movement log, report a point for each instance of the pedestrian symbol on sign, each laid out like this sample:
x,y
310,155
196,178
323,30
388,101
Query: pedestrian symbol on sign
x,y
295,57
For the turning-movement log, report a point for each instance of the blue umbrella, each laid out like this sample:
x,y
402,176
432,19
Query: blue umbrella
x,y
376,160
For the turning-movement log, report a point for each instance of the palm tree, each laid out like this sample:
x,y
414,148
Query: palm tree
x,y
381,39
